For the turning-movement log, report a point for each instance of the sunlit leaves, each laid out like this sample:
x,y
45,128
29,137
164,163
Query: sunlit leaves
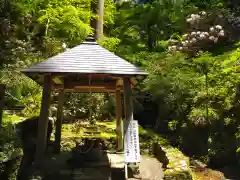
x,y
66,20
110,44
202,116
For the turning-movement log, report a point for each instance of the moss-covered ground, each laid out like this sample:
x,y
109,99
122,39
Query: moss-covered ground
x,y
178,167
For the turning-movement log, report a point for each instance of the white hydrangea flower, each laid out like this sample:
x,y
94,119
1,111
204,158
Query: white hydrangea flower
x,y
174,48
221,33
206,33
189,20
218,27
193,33
193,16
203,13
199,32
211,38
212,29
194,40
180,48
197,16
51,118
64,46
54,108
185,36
215,39
202,36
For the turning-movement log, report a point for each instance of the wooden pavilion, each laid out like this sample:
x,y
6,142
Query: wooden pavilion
x,y
83,68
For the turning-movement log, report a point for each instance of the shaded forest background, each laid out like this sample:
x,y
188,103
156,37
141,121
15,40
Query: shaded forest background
x,y
189,47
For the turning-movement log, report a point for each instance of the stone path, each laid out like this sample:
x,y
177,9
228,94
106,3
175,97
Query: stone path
x,y
178,167
179,164
57,169
150,168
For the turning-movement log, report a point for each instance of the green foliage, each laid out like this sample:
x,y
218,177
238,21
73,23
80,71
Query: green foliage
x,y
69,19
110,44
10,146
143,25
89,106
35,30
32,105
173,125
202,116
197,93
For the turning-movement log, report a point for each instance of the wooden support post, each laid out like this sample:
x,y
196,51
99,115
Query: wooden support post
x,y
59,121
43,120
2,93
128,110
119,120
128,100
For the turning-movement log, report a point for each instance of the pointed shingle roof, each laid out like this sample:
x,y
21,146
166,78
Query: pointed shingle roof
x,y
87,58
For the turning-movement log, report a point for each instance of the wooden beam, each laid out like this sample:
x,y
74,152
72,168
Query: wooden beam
x,y
119,120
96,89
86,90
104,86
71,74
92,83
120,82
58,131
43,120
2,93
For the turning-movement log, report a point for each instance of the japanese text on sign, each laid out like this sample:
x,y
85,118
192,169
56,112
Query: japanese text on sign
x,y
131,142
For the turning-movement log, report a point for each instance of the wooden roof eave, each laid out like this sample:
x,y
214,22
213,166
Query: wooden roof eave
x,y
58,77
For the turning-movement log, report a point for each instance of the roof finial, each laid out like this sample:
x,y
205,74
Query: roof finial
x,y
90,39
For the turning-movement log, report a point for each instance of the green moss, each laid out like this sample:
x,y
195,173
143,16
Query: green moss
x,y
11,118
108,135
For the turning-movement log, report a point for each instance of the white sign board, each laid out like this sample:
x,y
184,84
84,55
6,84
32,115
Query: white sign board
x,y
131,142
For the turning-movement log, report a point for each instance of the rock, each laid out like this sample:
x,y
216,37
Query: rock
x,y
177,169
150,168
198,165
160,154
184,168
